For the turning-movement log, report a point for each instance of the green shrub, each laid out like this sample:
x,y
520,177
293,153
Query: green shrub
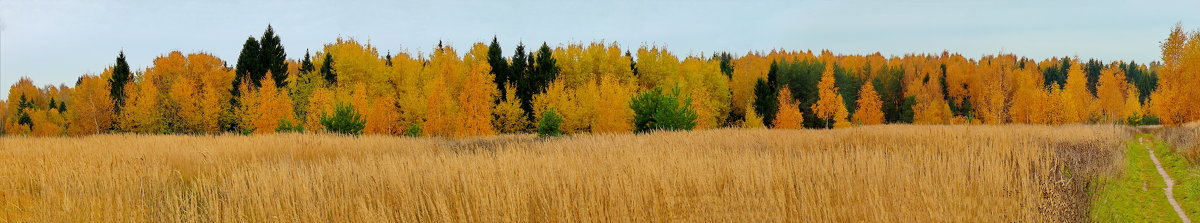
x,y
550,124
1137,120
654,110
287,126
413,131
344,120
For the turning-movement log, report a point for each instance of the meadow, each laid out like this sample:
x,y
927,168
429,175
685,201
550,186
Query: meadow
x,y
890,173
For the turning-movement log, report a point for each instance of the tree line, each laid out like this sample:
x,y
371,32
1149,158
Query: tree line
x,y
348,87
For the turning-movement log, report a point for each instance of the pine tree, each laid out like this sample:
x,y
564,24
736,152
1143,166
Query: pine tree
x,y
499,65
247,66
764,101
532,74
306,65
272,58
632,64
328,71
656,110
545,69
387,60
120,77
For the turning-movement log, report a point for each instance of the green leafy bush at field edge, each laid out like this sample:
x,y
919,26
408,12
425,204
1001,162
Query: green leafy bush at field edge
x,y
654,110
344,121
550,125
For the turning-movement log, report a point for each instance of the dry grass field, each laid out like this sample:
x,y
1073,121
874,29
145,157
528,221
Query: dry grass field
x,y
879,173
1185,139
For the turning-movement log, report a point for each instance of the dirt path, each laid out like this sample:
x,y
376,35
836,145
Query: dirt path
x,y
1170,189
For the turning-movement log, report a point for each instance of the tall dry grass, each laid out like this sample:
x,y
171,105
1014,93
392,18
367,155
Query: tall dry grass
x,y
881,173
1184,139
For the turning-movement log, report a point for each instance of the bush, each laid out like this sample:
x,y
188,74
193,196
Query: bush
x,y
344,121
413,131
1137,120
286,125
550,124
654,110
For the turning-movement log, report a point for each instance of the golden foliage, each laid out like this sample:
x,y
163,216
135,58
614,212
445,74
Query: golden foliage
x,y
789,115
1175,100
1110,93
580,65
357,64
267,107
753,120
656,66
613,114
477,94
870,108
567,103
933,111
708,88
439,120
47,122
321,103
1132,106
829,105
141,113
91,107
746,72
1030,100
509,116
1076,100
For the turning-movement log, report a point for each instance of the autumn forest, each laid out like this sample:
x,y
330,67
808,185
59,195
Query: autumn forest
x,y
599,111
597,88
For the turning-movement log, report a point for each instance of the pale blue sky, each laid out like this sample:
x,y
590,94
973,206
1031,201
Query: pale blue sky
x,y
54,42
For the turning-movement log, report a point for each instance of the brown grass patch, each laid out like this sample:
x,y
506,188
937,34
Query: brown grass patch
x,y
879,173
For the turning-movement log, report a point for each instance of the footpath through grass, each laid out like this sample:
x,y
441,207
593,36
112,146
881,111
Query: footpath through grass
x,y
1137,194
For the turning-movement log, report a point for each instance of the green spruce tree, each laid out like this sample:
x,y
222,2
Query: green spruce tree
x,y
120,77
273,58
499,65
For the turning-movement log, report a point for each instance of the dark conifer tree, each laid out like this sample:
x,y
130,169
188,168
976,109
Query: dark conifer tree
x,y
499,66
327,70
273,58
726,63
306,65
120,77
545,69
387,60
518,72
541,71
632,63
247,66
766,101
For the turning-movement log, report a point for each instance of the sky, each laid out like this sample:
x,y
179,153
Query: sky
x,y
54,42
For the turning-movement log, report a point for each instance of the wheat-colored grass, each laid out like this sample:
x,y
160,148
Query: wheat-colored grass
x,y
1184,139
881,173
